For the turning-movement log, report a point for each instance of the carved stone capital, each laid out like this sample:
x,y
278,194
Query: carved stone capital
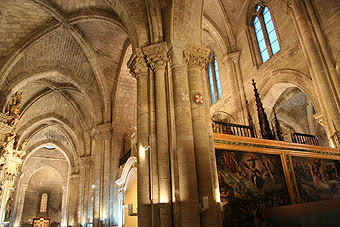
x,y
85,161
196,56
102,132
156,56
137,63
234,56
320,118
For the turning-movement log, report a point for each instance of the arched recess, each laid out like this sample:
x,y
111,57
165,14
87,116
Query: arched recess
x,y
222,116
127,184
271,85
278,88
45,178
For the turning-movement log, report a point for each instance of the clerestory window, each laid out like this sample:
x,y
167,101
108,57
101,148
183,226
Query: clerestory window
x,y
264,29
214,79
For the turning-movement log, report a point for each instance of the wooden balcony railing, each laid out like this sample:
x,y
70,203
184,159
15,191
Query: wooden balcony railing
x,y
233,129
305,139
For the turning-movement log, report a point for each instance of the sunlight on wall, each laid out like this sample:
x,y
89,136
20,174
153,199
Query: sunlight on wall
x,y
131,197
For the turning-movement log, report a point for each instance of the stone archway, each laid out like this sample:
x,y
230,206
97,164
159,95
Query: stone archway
x,y
46,170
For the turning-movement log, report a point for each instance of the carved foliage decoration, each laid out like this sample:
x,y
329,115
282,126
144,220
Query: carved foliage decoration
x,y
156,56
196,56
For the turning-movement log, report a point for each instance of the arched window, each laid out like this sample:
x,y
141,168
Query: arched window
x,y
264,29
43,203
214,79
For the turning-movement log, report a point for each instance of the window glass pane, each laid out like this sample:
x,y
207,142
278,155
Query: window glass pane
x,y
257,24
211,83
262,45
258,7
259,36
266,16
275,46
270,26
218,82
265,9
272,36
264,55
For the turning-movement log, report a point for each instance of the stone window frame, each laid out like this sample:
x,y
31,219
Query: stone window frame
x,y
215,79
251,36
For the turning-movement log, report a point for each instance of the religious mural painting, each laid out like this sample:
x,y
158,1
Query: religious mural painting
x,y
250,182
317,179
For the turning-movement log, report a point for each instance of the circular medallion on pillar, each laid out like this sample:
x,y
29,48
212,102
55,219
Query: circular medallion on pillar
x,y
198,98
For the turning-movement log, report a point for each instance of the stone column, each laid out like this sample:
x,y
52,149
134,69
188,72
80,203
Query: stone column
x,y
197,59
116,148
187,178
102,148
64,206
323,82
20,204
73,199
310,119
324,47
139,69
211,143
157,58
235,57
228,63
85,164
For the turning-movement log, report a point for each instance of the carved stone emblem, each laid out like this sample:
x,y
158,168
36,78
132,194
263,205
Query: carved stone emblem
x,y
198,98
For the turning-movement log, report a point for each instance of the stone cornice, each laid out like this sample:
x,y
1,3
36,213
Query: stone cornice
x,y
156,56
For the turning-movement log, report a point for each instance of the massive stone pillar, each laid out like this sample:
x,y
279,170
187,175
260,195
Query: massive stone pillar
x,y
117,144
73,199
197,59
139,69
187,178
325,82
157,58
64,205
102,173
20,204
85,185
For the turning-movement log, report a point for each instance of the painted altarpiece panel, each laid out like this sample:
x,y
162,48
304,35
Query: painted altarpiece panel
x,y
317,179
250,182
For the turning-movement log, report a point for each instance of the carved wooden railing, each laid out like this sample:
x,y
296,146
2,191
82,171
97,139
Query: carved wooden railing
x,y
305,139
233,129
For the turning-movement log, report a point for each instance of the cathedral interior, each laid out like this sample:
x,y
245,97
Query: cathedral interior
x,y
169,113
